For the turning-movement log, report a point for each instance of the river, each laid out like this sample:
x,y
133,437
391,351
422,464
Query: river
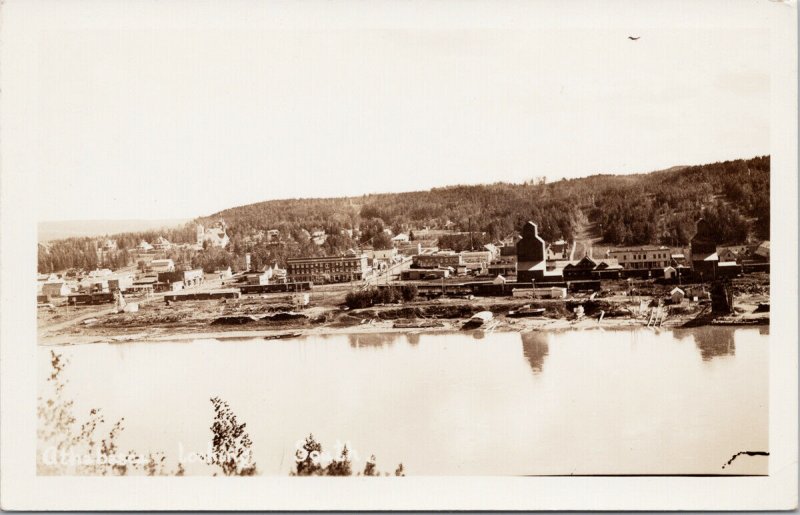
x,y
541,403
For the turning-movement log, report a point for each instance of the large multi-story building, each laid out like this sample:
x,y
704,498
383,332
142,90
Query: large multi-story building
x,y
438,259
642,258
476,261
214,236
329,269
505,263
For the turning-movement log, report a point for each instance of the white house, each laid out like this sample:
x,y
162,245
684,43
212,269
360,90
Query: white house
x,y
214,236
162,243
162,265
677,295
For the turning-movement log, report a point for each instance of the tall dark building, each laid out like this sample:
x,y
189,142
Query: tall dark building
x,y
704,251
530,254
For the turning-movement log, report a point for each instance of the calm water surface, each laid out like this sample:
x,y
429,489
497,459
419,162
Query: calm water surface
x,y
573,402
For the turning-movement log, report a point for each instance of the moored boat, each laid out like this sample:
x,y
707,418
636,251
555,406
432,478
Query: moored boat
x,y
478,319
526,311
281,336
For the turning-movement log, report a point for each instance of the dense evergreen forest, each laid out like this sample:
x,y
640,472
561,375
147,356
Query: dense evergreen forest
x,y
652,208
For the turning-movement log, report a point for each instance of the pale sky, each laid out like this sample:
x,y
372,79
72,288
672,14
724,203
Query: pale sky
x,y
150,121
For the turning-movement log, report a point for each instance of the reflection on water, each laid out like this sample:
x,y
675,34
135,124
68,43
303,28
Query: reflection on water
x,y
535,348
712,342
372,339
568,402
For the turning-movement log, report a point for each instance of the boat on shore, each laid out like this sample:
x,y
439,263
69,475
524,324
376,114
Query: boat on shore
x,y
478,319
282,336
525,311
416,324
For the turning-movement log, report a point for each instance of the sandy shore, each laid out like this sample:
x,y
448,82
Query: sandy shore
x,y
382,326
157,321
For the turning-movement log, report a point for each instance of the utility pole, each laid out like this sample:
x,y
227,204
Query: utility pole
x,y
471,244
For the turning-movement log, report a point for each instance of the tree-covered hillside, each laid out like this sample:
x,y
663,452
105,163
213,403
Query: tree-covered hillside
x,y
652,208
658,207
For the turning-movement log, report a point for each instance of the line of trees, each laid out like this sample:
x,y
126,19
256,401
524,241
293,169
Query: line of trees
x,y
387,295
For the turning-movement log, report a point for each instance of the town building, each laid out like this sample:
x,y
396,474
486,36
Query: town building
x,y
642,258
762,252
531,255
279,275
505,263
56,289
349,267
384,254
731,253
704,251
162,243
121,282
558,251
424,274
411,248
162,265
678,259
143,246
214,236
416,247
588,269
258,278
494,251
187,278
729,269
677,295
476,261
93,284
437,260
224,273
476,256
319,237
192,278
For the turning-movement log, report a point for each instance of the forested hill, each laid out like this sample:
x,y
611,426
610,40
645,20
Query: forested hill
x,y
656,207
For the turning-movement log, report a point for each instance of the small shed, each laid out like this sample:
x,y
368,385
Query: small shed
x,y
669,273
677,295
59,289
499,280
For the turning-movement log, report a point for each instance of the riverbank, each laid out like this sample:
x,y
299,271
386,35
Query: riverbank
x,y
271,317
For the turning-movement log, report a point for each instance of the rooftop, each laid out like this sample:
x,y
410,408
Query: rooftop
x,y
644,248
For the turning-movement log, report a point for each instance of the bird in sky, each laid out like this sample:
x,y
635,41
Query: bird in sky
x,y
634,38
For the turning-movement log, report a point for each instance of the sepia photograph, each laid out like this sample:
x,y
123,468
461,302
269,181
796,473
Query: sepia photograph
x,y
440,242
